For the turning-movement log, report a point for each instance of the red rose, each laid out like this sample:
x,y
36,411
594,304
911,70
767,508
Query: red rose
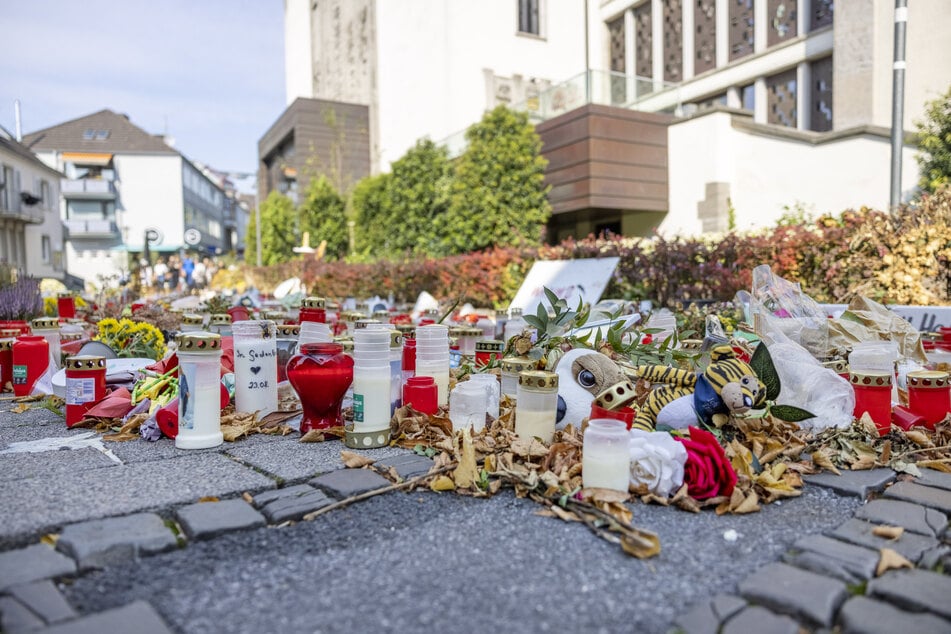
x,y
708,473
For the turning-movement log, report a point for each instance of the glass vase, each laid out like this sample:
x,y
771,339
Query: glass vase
x,y
321,374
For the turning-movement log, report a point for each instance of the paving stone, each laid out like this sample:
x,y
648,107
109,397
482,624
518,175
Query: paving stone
x,y
707,616
912,517
761,621
915,590
935,556
933,478
33,563
139,617
205,520
294,462
846,562
799,593
44,600
910,545
52,464
41,505
98,543
344,483
861,615
291,503
855,483
16,617
919,494
407,466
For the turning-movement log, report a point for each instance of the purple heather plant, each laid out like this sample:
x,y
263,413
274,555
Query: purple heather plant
x,y
21,299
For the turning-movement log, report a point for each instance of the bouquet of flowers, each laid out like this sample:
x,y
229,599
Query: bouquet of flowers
x,y
132,338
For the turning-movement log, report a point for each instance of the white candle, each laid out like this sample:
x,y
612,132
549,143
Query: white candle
x,y
606,470
255,369
531,423
439,370
371,399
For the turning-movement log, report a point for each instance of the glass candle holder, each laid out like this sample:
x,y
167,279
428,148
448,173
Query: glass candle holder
x,y
487,351
493,391
313,309
929,395
31,358
287,341
511,368
66,305
408,360
467,340
85,385
421,394
48,328
199,389
320,374
279,317
255,366
873,394
606,457
467,406
432,357
220,324
515,324
537,402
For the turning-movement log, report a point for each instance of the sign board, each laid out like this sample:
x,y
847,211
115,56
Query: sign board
x,y
568,279
924,318
192,236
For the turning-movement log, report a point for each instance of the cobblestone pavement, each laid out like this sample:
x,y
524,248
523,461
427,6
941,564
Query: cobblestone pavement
x,y
138,549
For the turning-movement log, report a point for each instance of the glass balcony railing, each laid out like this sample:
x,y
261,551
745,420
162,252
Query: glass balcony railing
x,y
87,188
91,228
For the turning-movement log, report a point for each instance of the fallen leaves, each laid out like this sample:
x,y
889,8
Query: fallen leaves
x,y
322,435
890,560
353,460
888,532
236,425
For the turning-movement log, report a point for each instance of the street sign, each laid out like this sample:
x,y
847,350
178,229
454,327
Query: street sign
x,y
192,237
153,236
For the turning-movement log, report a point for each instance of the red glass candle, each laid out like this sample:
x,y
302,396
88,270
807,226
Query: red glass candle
x,y
945,333
66,305
239,313
487,351
313,309
929,395
321,374
906,419
85,385
6,363
409,359
625,414
873,394
31,357
422,394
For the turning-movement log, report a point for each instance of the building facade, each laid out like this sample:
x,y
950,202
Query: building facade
x,y
31,234
121,186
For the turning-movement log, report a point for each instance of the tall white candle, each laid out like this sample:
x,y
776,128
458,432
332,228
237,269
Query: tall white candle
x,y
371,399
255,367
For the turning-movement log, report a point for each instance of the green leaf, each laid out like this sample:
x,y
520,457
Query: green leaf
x,y
762,364
552,298
535,322
790,413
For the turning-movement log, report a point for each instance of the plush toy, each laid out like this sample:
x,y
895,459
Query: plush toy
x,y
727,386
582,375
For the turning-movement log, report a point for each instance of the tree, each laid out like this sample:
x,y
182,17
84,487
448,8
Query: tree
x,y
934,156
277,243
373,216
323,215
498,195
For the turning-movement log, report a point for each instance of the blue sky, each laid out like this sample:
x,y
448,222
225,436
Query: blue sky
x,y
212,69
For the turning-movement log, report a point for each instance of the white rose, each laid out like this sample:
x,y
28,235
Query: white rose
x,y
657,460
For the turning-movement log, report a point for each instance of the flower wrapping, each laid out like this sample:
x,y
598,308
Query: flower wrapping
x,y
707,472
657,461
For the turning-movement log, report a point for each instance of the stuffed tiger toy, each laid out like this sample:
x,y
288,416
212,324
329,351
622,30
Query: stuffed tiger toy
x,y
727,385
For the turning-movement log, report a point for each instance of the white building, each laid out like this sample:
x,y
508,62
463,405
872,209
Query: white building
x,y
122,183
31,234
762,105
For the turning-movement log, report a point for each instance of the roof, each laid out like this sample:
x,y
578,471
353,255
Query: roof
x,y
103,131
8,143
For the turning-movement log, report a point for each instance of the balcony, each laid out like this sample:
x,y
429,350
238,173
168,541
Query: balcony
x,y
88,189
91,229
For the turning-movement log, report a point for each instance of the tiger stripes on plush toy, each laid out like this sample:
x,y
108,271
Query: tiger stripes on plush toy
x,y
727,385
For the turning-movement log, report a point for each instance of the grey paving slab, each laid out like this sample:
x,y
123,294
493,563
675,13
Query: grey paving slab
x,y
407,466
98,543
294,461
51,464
139,617
205,520
33,417
802,594
39,505
761,621
11,433
910,545
16,618
707,616
832,557
935,498
933,478
45,600
910,516
915,590
861,615
291,503
344,483
857,483
164,448
33,563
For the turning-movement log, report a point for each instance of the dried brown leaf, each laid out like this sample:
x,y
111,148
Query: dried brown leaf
x,y
442,483
886,454
919,438
821,459
353,460
529,448
688,504
19,409
652,498
247,497
564,514
209,498
467,472
749,505
50,539
888,532
862,463
641,544
890,560
545,513
595,494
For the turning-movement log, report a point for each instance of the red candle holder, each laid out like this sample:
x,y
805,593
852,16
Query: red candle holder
x,y
313,309
421,392
6,363
31,357
320,374
487,351
929,395
66,305
906,419
85,385
624,414
873,394
945,333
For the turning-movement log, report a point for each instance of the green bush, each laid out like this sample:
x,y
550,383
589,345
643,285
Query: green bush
x,y
934,144
323,215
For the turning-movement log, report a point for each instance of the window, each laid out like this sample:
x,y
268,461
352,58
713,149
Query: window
x,y
528,17
742,18
673,41
705,38
98,135
89,134
643,42
47,249
821,14
820,119
6,183
748,97
781,98
90,210
781,22
45,194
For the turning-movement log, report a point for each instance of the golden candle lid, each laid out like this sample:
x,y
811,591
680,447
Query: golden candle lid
x,y
515,311
9,332
489,345
839,366
381,314
538,379
352,315
219,319
396,339
924,379
617,396
457,331
7,344
363,323
70,336
288,330
64,294
274,315
471,331
517,364
871,379
431,312
76,321
45,323
691,345
198,342
313,302
86,362
192,320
